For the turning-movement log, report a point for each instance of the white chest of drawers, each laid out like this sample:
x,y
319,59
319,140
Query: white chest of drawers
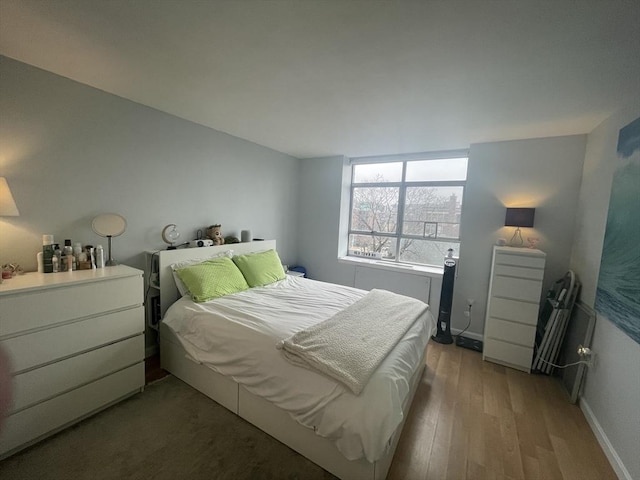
x,y
512,307
76,343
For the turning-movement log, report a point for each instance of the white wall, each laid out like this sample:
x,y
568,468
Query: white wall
x,y
70,152
544,173
320,195
612,389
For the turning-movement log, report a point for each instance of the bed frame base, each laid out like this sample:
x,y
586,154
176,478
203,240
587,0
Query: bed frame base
x,y
275,421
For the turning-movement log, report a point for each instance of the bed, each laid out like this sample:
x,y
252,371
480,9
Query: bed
x,y
352,436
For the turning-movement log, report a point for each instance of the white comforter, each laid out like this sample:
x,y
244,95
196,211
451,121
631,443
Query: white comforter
x,y
237,336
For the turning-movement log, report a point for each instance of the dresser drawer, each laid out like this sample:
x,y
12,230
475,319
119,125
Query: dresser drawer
x,y
33,423
520,260
508,354
51,380
520,272
46,346
516,289
40,308
511,332
514,310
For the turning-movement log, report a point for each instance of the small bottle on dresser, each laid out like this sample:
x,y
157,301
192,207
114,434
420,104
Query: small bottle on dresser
x,y
69,261
58,254
99,253
77,252
91,256
39,256
47,253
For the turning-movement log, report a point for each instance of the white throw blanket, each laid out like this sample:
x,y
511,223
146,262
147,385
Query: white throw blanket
x,y
349,346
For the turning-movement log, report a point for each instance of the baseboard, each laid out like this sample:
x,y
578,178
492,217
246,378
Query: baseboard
x,y
604,442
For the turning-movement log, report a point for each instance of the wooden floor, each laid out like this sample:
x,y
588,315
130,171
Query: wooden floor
x,y
478,420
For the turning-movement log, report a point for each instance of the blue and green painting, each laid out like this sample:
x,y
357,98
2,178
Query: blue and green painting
x,y
618,292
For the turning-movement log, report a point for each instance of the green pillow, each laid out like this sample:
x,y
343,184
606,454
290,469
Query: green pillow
x,y
260,268
212,279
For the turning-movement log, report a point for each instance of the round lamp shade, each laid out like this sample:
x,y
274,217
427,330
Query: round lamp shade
x,y
109,225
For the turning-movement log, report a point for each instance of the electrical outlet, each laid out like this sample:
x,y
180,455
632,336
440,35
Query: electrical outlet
x,y
586,355
583,351
467,313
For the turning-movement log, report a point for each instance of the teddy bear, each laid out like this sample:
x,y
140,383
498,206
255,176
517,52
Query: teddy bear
x,y
214,233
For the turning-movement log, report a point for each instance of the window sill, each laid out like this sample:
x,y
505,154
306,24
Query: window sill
x,y
421,270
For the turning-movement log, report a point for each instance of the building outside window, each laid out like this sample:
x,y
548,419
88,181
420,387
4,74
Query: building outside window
x,y
407,210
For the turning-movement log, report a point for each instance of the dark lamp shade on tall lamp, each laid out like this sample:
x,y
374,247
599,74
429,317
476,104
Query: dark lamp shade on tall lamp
x,y
519,217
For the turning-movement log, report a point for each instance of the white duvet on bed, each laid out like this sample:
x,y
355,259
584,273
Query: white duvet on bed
x,y
237,336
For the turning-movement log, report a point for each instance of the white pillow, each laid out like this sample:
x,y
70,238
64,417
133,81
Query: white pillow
x,y
182,288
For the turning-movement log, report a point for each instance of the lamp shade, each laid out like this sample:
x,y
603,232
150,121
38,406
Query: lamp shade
x,y
7,204
519,217
109,225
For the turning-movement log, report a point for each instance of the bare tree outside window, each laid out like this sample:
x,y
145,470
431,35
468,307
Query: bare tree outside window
x,y
411,222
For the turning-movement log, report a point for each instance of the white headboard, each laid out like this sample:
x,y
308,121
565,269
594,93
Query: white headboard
x,y
161,277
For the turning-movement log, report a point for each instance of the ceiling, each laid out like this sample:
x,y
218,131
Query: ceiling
x,y
339,77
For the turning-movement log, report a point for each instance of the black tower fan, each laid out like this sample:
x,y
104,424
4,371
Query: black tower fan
x,y
443,334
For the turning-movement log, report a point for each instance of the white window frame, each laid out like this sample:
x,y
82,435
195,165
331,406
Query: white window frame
x,y
402,187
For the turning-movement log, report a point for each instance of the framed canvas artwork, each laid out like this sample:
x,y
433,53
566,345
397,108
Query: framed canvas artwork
x,y
618,291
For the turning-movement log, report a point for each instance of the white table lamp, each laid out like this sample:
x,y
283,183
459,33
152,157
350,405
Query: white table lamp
x,y
109,225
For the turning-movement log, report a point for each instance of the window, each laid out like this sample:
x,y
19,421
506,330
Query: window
x,y
406,210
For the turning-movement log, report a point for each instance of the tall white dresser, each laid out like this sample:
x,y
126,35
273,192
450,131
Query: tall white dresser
x,y
512,307
76,343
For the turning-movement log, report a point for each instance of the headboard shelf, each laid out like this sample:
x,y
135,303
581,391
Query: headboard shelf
x,y
159,263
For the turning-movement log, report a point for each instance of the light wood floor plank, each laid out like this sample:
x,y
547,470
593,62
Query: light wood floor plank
x,y
438,459
494,460
457,453
548,464
478,420
531,468
475,471
510,445
478,449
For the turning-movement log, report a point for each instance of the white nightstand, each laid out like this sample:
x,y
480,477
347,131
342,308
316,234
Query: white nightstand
x,y
512,307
